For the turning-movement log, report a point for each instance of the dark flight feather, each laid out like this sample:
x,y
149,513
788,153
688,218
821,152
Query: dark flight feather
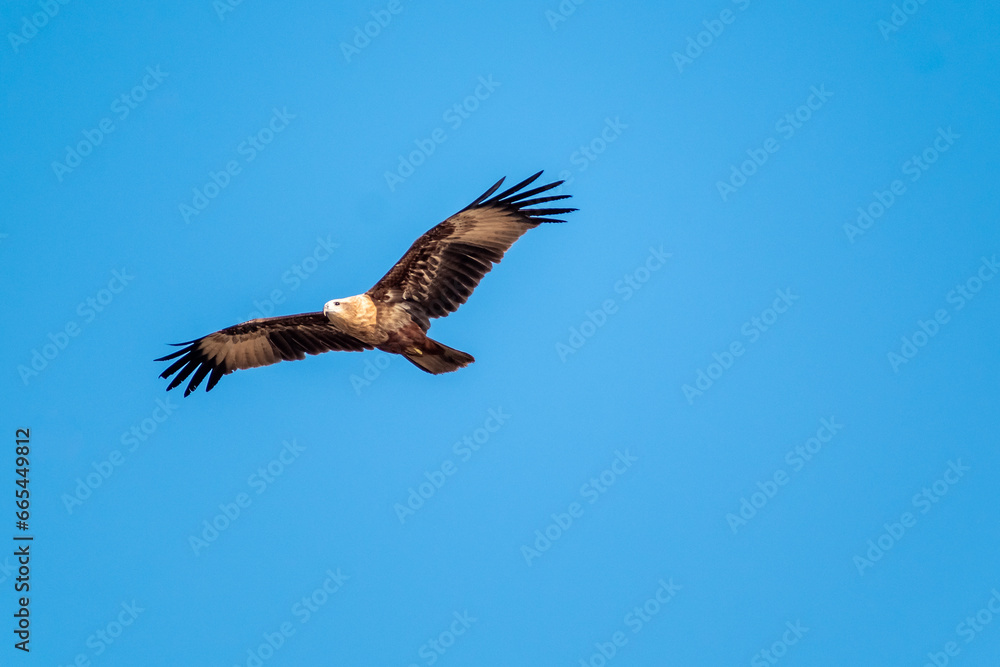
x,y
256,343
444,266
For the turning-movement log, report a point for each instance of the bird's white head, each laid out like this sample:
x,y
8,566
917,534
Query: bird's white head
x,y
352,310
336,309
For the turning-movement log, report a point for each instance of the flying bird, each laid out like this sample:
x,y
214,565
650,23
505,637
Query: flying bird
x,y
435,276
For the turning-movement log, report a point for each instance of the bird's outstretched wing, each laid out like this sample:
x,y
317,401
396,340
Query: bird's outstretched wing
x,y
255,343
440,270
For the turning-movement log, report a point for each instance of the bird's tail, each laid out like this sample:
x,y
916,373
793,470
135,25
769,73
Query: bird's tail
x,y
436,358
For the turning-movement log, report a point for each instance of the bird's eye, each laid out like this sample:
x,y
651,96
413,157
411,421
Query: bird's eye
x,y
336,303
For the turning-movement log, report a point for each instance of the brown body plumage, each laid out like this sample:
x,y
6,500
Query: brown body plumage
x,y
435,276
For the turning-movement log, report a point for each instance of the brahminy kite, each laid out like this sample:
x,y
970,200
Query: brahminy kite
x,y
435,276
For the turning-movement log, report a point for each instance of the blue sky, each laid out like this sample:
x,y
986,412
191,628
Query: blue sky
x,y
740,409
